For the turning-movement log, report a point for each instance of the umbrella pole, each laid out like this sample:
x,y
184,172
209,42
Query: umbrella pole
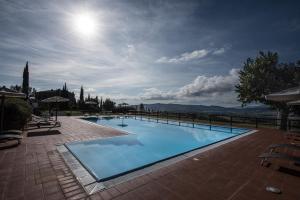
x,y
56,112
2,112
49,110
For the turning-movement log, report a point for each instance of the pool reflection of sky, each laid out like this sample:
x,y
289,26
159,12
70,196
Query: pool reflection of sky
x,y
146,143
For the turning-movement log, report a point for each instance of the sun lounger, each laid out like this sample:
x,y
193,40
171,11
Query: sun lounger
x,y
55,124
39,123
36,118
44,124
40,117
293,136
266,156
6,137
14,132
272,147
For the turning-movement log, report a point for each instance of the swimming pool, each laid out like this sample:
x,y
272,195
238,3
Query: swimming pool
x,y
146,143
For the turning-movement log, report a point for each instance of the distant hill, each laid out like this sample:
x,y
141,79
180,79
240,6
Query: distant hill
x,y
248,111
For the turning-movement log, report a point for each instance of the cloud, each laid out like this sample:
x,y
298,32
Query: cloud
x,y
219,51
91,90
129,52
185,57
204,85
201,87
156,94
194,55
120,58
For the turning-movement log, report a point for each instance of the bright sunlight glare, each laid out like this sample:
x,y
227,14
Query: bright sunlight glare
x,y
85,24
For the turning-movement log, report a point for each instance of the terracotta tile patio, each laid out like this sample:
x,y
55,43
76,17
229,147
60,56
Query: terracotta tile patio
x,y
35,170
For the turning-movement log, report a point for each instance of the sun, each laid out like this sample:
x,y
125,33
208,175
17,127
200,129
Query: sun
x,y
85,24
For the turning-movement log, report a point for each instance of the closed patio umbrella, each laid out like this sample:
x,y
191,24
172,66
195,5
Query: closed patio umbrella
x,y
288,95
7,94
56,100
294,103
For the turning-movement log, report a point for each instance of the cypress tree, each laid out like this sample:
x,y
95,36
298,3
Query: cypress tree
x,y
142,108
25,84
81,98
65,92
101,104
65,87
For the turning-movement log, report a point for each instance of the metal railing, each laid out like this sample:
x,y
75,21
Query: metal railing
x,y
228,121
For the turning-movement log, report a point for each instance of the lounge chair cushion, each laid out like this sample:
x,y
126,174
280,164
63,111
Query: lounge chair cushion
x,y
289,146
16,132
266,156
10,137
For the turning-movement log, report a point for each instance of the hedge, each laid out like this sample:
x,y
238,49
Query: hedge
x,y
16,113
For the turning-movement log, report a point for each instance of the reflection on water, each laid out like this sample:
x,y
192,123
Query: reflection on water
x,y
128,140
150,142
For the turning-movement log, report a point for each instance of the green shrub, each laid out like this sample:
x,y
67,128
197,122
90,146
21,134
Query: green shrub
x,y
16,113
68,113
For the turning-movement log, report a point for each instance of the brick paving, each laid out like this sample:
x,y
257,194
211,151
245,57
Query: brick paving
x,y
35,170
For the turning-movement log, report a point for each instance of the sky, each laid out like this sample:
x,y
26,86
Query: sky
x,y
135,51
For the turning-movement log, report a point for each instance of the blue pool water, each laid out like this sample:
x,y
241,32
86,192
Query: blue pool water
x,y
147,143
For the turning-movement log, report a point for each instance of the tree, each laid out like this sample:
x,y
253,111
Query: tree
x,y
108,105
262,76
65,87
65,92
17,88
97,101
25,84
81,97
101,105
142,108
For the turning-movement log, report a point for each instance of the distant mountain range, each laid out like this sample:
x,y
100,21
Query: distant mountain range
x,y
247,111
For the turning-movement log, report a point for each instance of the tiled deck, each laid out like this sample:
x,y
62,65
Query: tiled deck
x,y
35,170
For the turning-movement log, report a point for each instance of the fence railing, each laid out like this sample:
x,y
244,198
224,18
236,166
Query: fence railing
x,y
229,121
